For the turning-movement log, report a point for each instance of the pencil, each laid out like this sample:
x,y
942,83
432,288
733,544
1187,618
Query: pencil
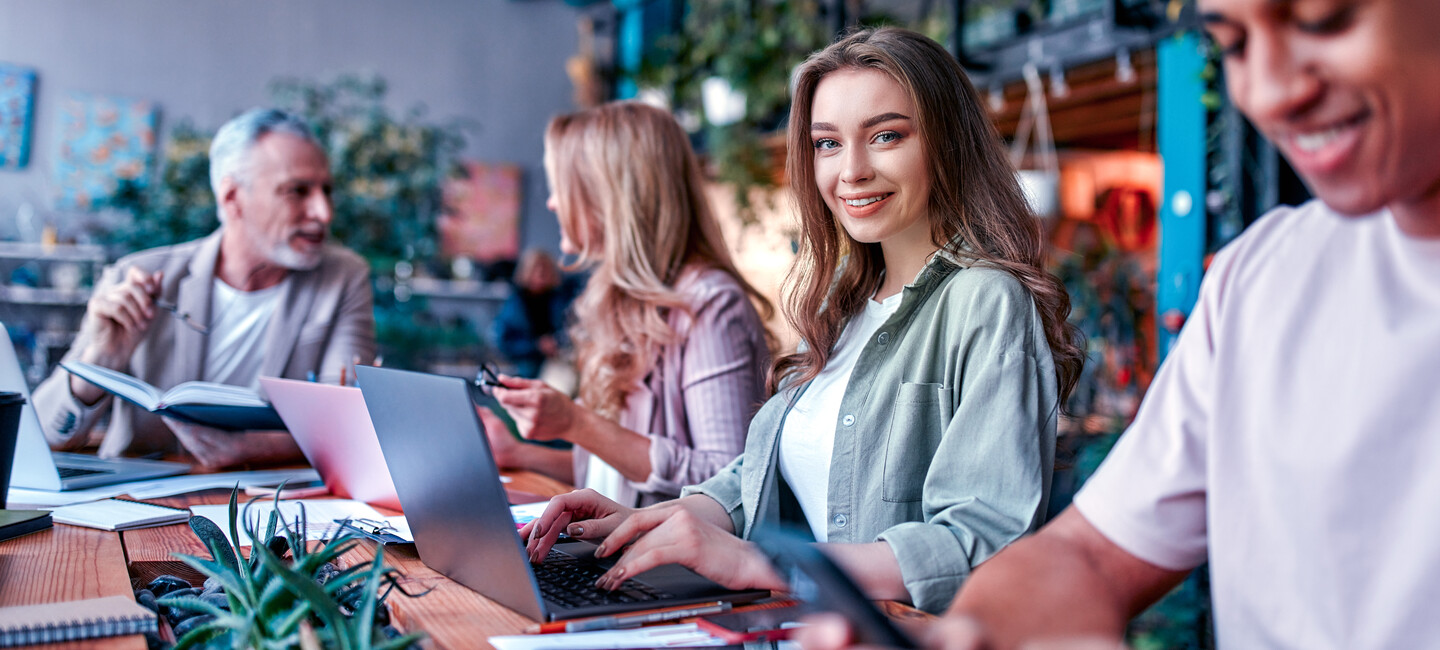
x,y
629,620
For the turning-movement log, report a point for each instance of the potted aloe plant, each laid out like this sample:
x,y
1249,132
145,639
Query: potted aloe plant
x,y
285,595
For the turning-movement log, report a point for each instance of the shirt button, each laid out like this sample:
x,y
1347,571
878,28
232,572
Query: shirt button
x,y
883,338
841,520
848,420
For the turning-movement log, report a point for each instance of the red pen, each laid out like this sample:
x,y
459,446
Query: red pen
x,y
629,620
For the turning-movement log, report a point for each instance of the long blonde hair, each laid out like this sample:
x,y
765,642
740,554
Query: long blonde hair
x,y
630,196
977,210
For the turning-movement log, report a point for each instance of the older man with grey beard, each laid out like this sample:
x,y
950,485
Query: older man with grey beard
x,y
265,295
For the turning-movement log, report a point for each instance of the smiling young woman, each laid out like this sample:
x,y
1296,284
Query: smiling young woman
x,y
914,432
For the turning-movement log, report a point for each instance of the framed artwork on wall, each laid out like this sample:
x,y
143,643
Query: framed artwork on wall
x,y
17,108
103,140
482,213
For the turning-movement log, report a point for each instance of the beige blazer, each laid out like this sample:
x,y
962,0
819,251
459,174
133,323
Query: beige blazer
x,y
325,321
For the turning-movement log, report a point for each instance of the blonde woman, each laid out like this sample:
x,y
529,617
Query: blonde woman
x,y
670,349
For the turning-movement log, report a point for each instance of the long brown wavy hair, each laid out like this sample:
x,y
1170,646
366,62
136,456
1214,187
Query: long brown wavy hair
x,y
629,194
978,212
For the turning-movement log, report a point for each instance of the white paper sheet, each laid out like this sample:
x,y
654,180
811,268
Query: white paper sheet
x,y
528,512
320,515
522,513
156,488
660,636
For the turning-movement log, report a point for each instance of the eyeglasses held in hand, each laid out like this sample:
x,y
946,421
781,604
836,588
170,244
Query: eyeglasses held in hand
x,y
488,378
185,318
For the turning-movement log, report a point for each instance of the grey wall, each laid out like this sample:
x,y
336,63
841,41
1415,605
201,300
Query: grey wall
x,y
498,63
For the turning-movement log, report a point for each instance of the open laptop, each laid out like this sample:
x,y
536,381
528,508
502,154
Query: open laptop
x,y
440,459
38,468
332,428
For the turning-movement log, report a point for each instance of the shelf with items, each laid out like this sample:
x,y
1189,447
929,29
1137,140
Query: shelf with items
x,y
43,292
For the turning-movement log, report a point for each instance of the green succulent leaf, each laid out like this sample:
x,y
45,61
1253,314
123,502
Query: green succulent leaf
x,y
365,614
215,541
200,636
236,588
290,623
192,604
305,588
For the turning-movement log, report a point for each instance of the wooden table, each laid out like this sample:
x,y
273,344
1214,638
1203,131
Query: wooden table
x,y
66,563
72,563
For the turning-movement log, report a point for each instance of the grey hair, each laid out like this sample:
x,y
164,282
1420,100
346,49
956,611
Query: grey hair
x,y
230,150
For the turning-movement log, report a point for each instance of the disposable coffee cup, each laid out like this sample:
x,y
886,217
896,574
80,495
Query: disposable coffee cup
x,y
10,405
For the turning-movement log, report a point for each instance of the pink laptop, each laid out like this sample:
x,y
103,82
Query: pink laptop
x,y
332,427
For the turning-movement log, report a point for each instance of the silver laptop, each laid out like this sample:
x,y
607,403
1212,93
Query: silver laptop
x,y
440,460
38,468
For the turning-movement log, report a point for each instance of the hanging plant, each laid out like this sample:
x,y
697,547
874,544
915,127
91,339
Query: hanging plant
x,y
753,45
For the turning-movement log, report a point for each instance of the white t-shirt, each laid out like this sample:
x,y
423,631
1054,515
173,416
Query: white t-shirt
x,y
238,323
1294,431
808,436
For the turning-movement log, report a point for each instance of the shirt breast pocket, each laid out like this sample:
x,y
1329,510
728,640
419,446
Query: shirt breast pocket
x,y
922,413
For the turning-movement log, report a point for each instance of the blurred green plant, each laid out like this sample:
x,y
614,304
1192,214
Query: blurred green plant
x,y
753,45
176,207
389,172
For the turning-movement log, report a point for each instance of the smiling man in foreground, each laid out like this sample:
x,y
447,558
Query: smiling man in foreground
x,y
266,294
1290,436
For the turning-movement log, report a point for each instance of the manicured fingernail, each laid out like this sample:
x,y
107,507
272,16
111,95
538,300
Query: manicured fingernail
x,y
576,530
600,550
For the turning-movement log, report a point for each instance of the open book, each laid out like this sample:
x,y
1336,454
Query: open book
x,y
200,402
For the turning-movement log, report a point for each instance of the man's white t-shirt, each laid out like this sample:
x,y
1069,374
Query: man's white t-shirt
x,y
1294,433
808,437
239,321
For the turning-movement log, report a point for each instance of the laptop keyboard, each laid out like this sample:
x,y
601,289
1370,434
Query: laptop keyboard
x,y
77,472
568,580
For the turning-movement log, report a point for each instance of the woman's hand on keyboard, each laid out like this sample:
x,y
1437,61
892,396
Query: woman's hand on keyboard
x,y
582,514
679,536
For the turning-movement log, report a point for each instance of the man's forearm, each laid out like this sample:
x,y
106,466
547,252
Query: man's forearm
x,y
265,447
1065,582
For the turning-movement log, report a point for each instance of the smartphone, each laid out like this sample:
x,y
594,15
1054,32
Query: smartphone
x,y
816,581
754,625
298,490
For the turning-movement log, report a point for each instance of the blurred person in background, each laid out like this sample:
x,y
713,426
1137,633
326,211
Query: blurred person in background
x,y
671,352
529,330
267,294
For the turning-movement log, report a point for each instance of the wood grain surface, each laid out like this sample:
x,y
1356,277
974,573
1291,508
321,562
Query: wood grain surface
x,y
66,563
452,615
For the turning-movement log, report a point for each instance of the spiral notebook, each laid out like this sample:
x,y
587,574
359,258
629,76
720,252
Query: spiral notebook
x,y
119,514
73,620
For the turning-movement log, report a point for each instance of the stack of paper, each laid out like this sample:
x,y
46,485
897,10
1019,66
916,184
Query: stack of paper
x,y
118,514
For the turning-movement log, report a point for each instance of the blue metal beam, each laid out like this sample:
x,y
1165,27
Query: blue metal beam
x,y
1181,124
